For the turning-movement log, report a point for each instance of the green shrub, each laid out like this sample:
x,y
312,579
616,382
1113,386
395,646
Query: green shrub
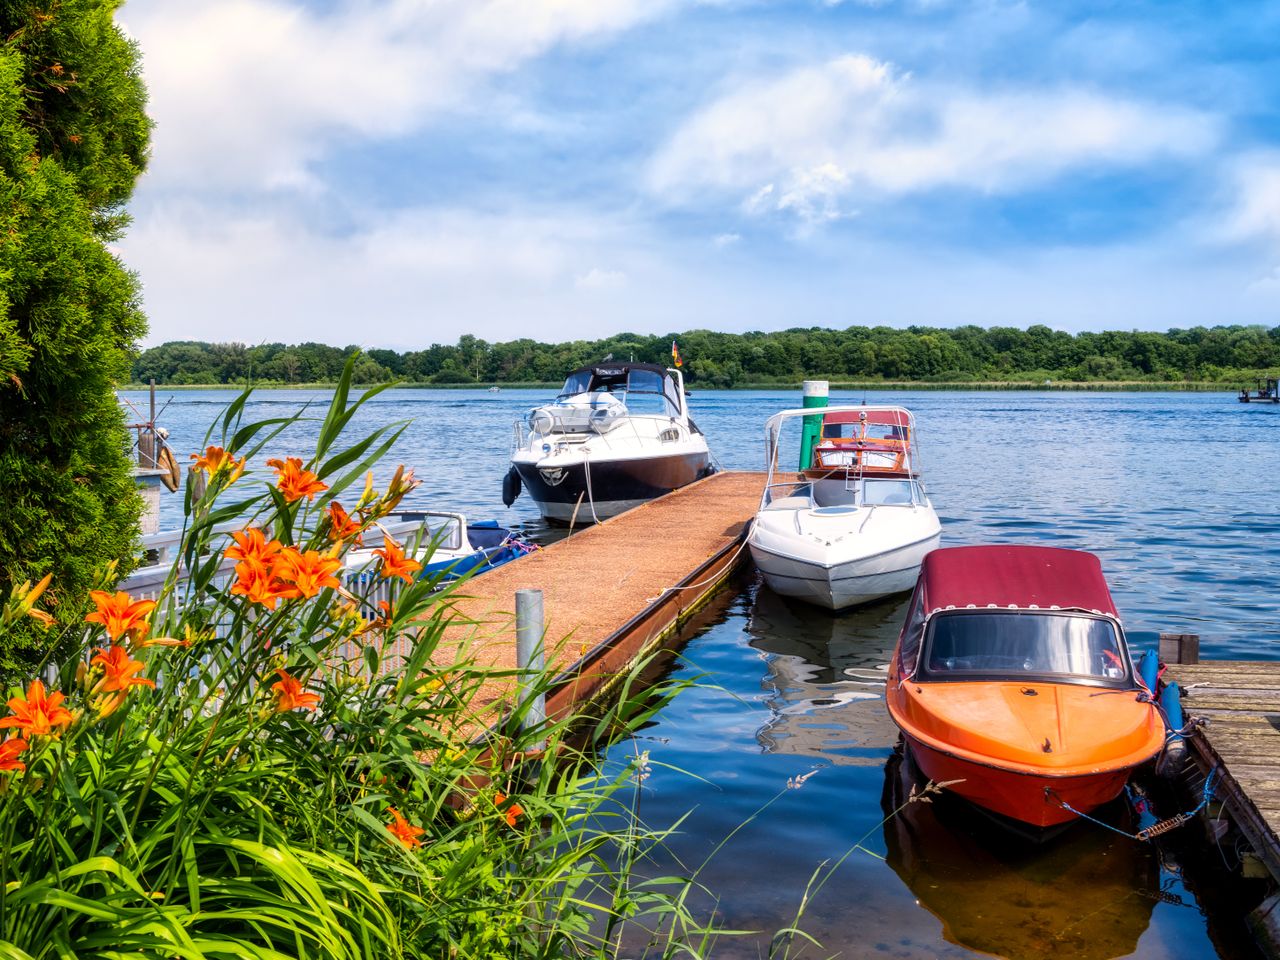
x,y
72,141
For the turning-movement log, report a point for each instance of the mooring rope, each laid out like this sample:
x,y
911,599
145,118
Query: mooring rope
x,y
1156,829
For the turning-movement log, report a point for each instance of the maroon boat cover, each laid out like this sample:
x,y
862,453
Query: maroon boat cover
x,y
897,418
1014,576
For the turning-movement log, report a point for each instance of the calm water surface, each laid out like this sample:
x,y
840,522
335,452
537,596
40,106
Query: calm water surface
x,y
1175,492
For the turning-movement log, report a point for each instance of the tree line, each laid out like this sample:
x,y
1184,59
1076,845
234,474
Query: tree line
x,y
967,354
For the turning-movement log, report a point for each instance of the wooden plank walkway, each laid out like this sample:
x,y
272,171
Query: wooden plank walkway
x,y
611,592
1240,699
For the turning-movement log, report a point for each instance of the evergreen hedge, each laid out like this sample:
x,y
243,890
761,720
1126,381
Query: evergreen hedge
x,y
73,139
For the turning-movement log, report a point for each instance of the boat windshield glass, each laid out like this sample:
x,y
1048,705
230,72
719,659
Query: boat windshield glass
x,y
880,493
1022,643
873,431
579,382
643,391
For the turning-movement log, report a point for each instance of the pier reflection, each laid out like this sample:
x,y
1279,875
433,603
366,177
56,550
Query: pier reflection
x,y
1087,894
825,677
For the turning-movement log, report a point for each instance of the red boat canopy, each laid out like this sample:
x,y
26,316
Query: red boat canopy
x,y
1016,576
896,418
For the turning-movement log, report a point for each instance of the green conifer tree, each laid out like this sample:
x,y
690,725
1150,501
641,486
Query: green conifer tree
x,y
73,141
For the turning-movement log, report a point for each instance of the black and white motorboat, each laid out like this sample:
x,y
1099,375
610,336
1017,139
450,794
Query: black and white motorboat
x,y
619,434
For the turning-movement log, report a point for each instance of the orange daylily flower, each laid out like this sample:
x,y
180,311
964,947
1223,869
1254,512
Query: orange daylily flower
x,y
394,563
120,613
215,459
259,584
310,572
253,545
294,482
9,751
118,669
291,696
403,830
342,526
513,812
37,714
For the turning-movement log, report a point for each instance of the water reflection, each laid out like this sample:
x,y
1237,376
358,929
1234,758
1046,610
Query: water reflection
x,y
1088,894
825,677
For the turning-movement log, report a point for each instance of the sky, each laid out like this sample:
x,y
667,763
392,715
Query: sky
x,y
396,173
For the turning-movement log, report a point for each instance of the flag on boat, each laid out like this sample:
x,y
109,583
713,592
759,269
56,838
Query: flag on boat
x,y
675,355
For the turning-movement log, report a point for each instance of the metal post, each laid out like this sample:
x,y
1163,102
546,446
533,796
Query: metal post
x,y
529,656
815,395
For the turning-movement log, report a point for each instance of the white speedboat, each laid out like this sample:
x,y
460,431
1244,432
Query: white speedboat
x,y
618,434
856,523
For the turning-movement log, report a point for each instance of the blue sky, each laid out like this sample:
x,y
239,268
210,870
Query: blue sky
x,y
394,173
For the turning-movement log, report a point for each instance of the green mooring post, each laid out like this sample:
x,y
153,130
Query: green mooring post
x,y
815,395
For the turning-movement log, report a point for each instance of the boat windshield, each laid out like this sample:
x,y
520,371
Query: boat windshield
x,y
880,493
869,431
965,644
642,390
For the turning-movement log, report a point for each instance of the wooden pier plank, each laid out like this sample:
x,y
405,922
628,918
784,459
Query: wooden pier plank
x,y
604,577
1240,700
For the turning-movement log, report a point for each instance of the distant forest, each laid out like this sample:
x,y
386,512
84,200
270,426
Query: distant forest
x,y
961,355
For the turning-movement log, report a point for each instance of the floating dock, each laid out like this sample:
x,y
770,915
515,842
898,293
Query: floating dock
x,y
611,592
1240,700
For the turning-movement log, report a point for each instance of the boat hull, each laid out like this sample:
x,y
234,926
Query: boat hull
x,y
1036,799
563,490
842,585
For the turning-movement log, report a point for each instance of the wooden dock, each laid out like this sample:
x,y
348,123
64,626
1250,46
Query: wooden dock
x,y
611,592
1240,700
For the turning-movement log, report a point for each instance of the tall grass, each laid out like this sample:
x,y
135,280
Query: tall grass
x,y
242,771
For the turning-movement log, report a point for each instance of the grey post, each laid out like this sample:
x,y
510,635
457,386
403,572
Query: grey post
x,y
529,658
1180,647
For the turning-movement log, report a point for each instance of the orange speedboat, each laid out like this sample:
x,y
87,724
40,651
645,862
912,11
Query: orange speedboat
x,y
1012,677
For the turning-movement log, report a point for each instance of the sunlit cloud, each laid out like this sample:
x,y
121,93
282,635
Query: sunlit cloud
x,y
248,94
815,139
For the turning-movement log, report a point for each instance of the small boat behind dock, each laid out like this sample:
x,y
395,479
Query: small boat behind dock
x,y
1266,390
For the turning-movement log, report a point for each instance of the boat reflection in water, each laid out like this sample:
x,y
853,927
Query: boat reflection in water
x,y
825,678
1087,894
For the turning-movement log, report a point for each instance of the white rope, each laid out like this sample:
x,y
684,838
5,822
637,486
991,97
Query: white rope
x,y
712,579
586,466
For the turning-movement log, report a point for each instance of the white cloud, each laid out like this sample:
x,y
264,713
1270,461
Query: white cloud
x,y
247,94
424,276
403,279
854,127
598,279
722,240
1253,209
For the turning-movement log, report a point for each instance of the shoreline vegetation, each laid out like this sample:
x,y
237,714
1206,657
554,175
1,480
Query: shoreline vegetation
x,y
1105,386
854,358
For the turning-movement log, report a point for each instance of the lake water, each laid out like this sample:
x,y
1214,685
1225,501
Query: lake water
x,y
1176,494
